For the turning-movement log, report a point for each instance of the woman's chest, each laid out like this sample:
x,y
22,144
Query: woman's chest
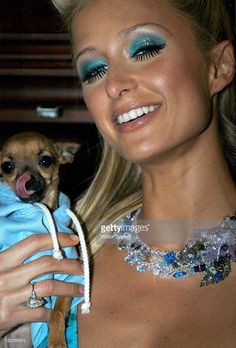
x,y
130,309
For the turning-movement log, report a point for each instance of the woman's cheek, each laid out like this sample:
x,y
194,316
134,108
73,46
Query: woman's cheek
x,y
92,101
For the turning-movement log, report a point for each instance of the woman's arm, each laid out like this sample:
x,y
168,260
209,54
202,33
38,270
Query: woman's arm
x,y
15,277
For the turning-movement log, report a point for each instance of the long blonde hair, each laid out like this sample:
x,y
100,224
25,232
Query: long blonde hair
x,y
116,188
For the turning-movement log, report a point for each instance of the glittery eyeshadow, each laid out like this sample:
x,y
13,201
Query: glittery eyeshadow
x,y
88,66
145,40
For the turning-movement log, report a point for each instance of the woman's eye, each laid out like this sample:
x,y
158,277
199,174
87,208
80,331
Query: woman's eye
x,y
94,74
147,52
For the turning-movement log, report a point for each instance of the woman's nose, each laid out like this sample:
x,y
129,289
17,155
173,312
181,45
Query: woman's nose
x,y
119,82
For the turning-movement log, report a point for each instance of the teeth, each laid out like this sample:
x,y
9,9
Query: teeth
x,y
135,113
120,119
132,114
145,110
126,117
139,112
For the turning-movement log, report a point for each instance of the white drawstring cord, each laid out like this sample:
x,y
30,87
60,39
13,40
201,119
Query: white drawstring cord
x,y
85,308
57,254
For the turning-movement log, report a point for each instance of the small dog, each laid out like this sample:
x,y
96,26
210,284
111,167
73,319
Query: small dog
x,y
30,165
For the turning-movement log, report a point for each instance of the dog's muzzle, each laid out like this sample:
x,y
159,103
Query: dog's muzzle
x,y
30,187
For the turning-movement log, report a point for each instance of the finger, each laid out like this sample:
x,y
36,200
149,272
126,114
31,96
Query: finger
x,y
42,289
23,274
13,313
29,315
25,315
31,245
59,288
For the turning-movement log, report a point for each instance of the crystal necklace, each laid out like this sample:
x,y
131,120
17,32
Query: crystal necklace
x,y
211,253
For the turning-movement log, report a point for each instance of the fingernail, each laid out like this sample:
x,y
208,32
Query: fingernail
x,y
74,237
81,289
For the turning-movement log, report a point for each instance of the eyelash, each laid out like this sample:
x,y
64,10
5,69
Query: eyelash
x,y
94,75
147,52
140,55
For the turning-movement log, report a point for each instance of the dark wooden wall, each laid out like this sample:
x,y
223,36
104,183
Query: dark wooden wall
x,y
36,71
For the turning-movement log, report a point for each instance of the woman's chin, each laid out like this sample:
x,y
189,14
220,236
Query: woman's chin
x,y
141,158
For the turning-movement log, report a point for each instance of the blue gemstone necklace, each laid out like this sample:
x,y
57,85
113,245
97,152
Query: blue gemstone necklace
x,y
211,253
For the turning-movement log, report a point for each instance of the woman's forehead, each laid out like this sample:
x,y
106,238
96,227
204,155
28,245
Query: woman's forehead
x,y
103,18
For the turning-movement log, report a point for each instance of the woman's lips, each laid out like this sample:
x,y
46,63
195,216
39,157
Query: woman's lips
x,y
139,121
135,113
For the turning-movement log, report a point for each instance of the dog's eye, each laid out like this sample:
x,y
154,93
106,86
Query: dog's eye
x,y
46,161
8,167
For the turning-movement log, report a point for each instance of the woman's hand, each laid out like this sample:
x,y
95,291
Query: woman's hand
x,y
15,277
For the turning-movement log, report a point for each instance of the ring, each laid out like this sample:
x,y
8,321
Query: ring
x,y
34,301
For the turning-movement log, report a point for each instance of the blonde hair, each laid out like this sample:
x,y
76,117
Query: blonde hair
x,y
116,188
115,191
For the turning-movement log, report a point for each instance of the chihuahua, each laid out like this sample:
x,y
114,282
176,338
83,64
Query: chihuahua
x,y
30,165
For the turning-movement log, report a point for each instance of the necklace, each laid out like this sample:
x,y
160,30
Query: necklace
x,y
211,253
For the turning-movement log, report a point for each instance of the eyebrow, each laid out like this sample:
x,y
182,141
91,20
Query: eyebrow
x,y
125,32
121,33
85,50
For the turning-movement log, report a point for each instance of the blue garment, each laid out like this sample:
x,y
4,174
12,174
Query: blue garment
x,y
19,220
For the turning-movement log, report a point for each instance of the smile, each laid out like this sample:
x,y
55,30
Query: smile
x,y
135,113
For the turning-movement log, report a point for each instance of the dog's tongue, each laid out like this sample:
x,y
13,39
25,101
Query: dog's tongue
x,y
20,188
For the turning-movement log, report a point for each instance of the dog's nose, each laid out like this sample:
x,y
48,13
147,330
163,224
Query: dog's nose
x,y
36,182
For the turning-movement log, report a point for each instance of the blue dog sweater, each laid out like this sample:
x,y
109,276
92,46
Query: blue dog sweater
x,y
19,220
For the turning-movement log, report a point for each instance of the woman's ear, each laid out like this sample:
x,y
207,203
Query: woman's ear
x,y
222,67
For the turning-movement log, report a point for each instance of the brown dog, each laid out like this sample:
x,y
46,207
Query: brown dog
x,y
30,165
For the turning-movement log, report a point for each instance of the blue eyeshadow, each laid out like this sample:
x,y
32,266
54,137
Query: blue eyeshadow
x,y
145,40
91,65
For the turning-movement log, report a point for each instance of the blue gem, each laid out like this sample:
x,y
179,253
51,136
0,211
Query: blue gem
x,y
170,257
212,269
218,276
134,260
179,274
191,271
141,269
162,264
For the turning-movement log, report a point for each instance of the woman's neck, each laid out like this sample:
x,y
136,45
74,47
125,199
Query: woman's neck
x,y
193,183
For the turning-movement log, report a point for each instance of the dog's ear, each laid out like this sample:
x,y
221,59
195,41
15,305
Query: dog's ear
x,y
67,151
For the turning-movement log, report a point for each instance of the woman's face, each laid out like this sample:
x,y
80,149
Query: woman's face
x,y
144,79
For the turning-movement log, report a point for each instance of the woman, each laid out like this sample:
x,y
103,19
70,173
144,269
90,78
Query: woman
x,y
157,78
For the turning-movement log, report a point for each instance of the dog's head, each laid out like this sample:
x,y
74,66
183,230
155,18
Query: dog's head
x,y
30,164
